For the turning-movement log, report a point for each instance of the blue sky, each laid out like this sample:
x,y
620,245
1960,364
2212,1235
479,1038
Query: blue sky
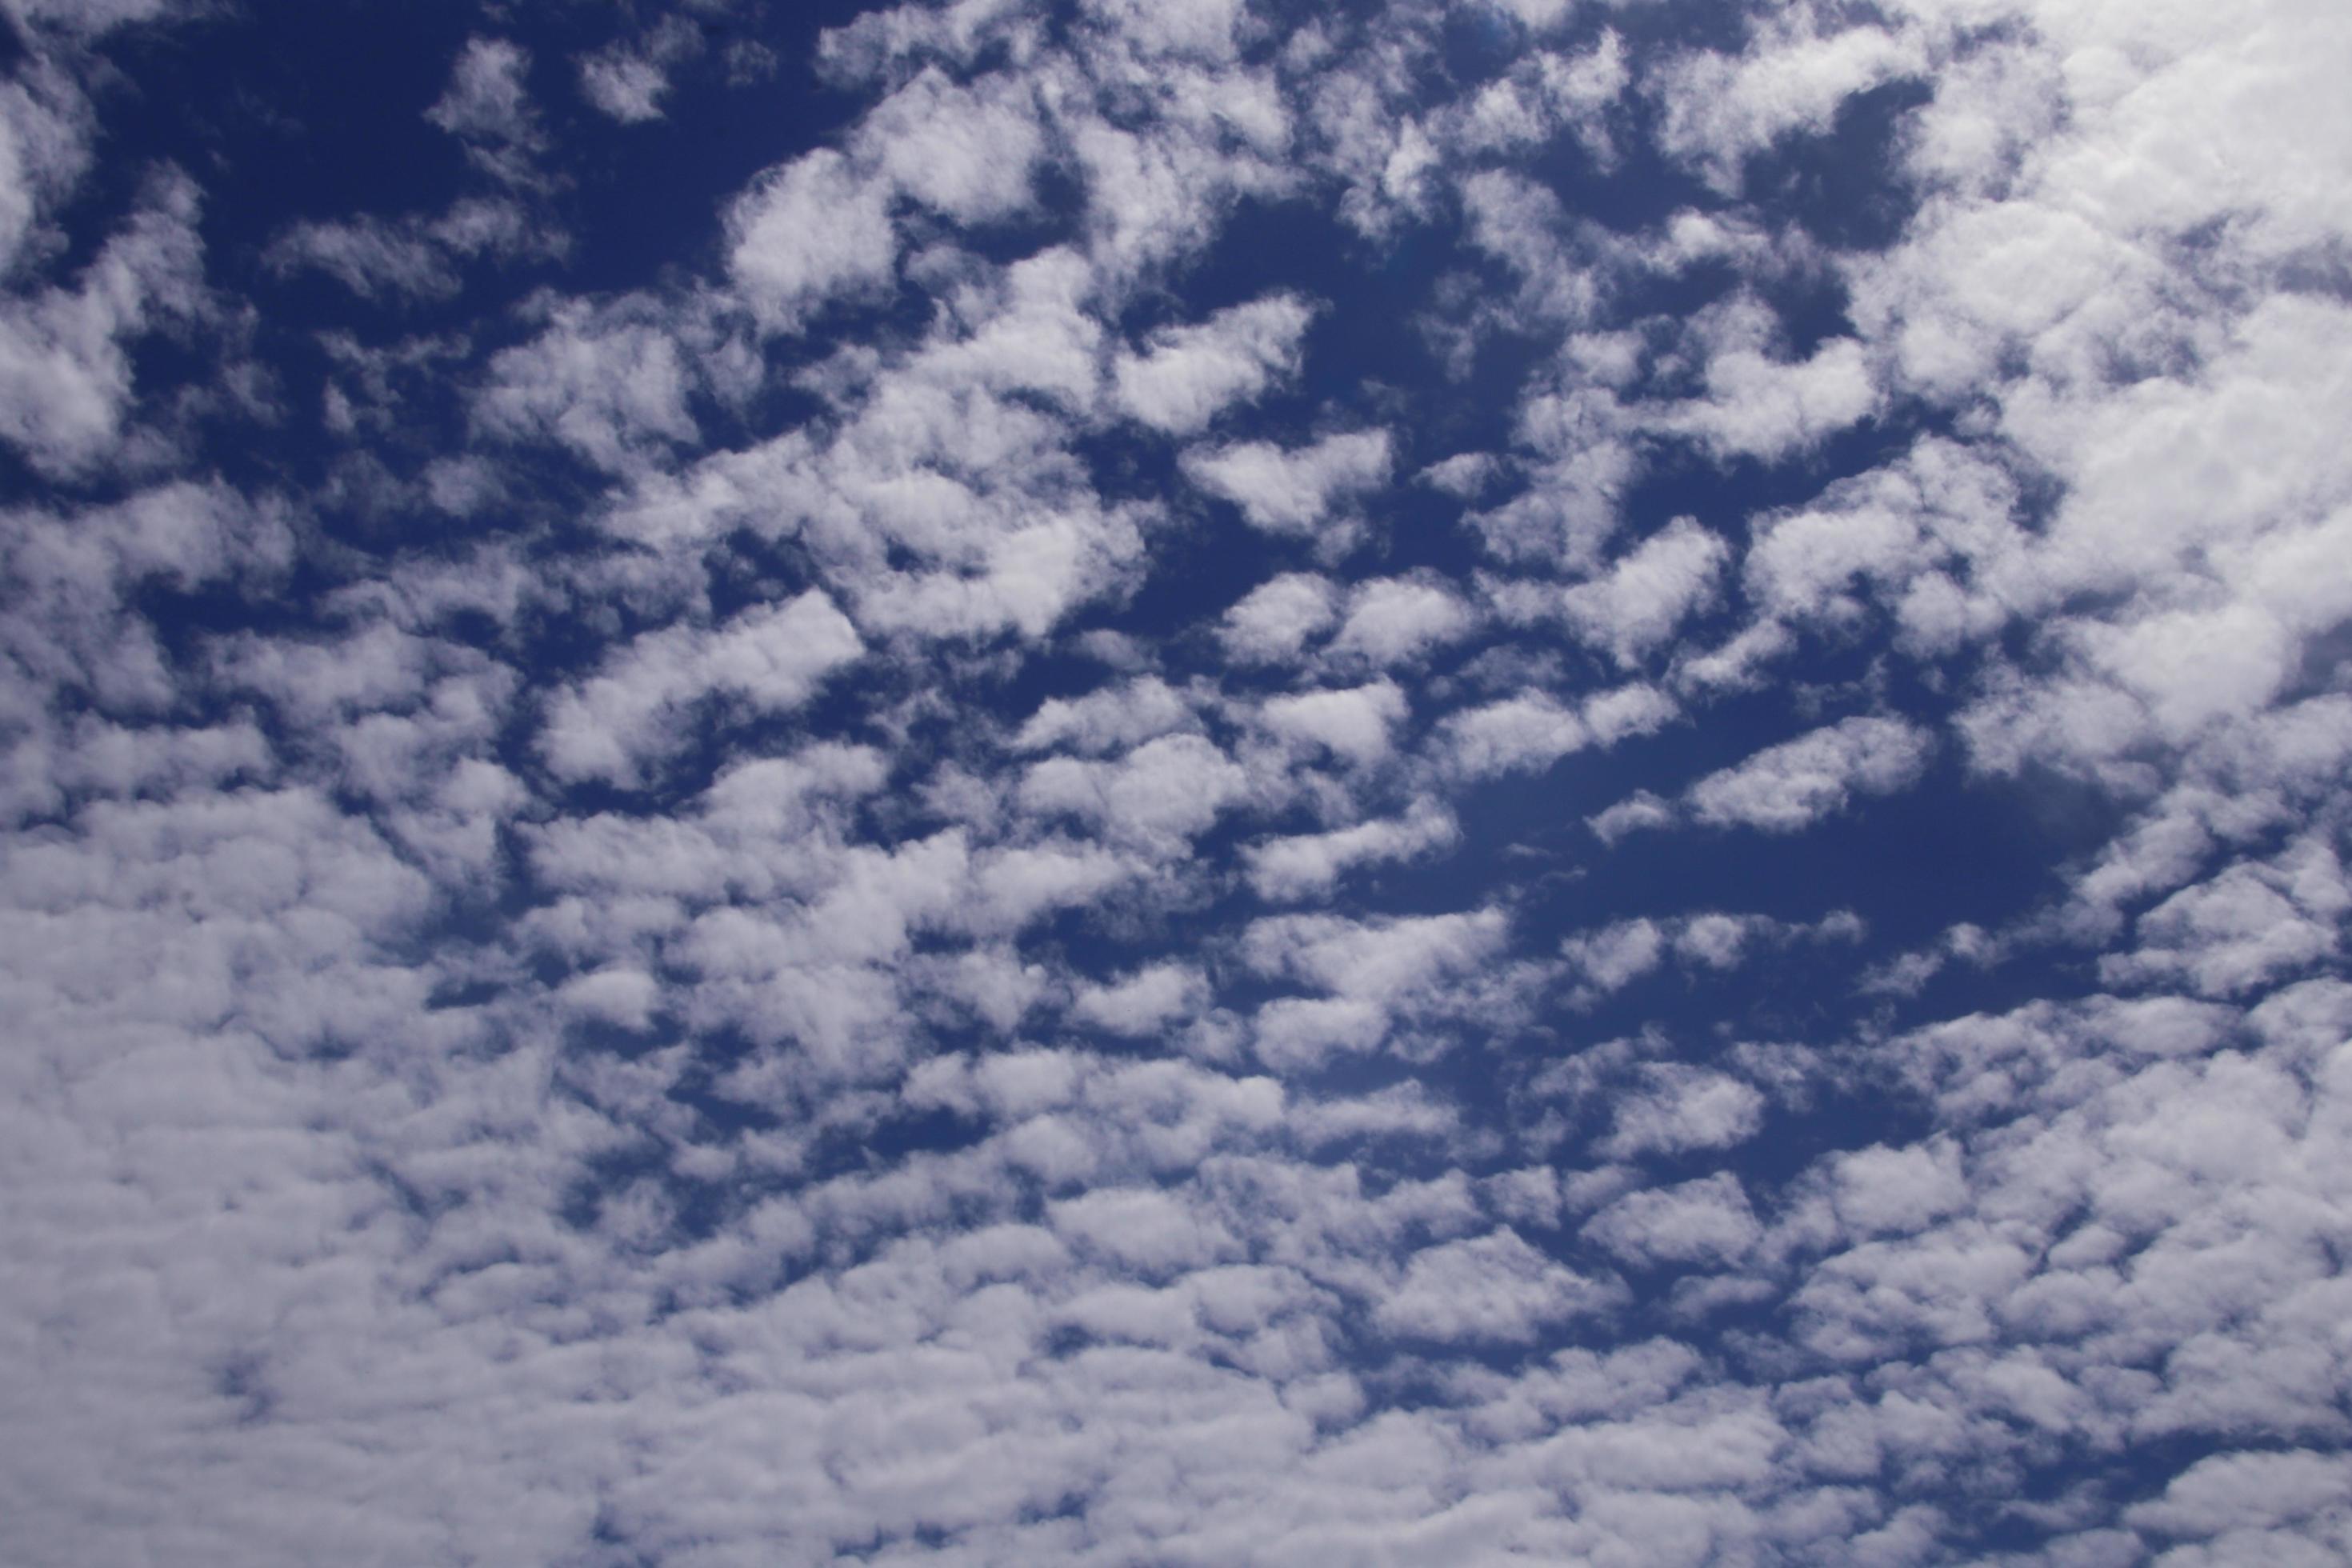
x,y
1207,782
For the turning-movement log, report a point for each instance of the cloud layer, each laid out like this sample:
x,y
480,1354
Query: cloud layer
x,y
1180,783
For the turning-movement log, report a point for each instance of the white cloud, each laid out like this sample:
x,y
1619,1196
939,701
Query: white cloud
x,y
1377,959
1399,620
1294,491
1463,476
1531,730
614,995
1635,812
2229,1493
1796,783
2242,928
1721,108
1758,405
625,85
1352,723
627,79
1679,1108
613,724
1617,954
1308,865
1188,375
1299,1034
1494,1287
486,96
613,390
1111,719
967,152
1150,1231
1881,1189
1204,27
1144,1001
1705,1222
487,105
1172,788
90,17
66,376
810,232
369,257
1629,710
1273,622
1648,591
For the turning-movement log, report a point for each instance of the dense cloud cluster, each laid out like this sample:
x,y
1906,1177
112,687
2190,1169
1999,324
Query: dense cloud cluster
x,y
1191,781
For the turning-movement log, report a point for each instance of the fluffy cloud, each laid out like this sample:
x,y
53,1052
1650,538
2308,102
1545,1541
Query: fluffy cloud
x,y
1307,865
488,106
628,78
1352,723
1399,620
65,371
1273,622
1291,491
1496,1286
615,390
1186,374
1786,786
1649,592
773,659
814,229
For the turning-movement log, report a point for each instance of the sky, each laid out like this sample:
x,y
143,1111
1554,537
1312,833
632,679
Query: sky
x,y
1175,781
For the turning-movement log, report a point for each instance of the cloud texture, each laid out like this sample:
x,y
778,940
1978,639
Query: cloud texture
x,y
1202,782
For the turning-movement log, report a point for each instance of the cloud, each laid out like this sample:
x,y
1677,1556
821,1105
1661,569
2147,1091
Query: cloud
x,y
612,725
2230,1493
1677,1110
625,85
1188,375
1616,954
1785,787
612,390
1351,723
627,79
2242,928
811,231
369,257
1376,959
1648,591
1273,622
1172,787
1527,731
1703,1222
1115,717
1141,1228
1143,1001
1758,405
66,374
1308,865
967,153
487,105
88,18
1534,729
1463,476
1398,620
1293,492
1496,1286
1721,108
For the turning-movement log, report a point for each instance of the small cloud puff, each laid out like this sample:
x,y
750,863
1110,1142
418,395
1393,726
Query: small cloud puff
x,y
1296,490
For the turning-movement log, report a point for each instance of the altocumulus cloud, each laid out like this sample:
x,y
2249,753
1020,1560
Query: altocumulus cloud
x,y
1213,781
